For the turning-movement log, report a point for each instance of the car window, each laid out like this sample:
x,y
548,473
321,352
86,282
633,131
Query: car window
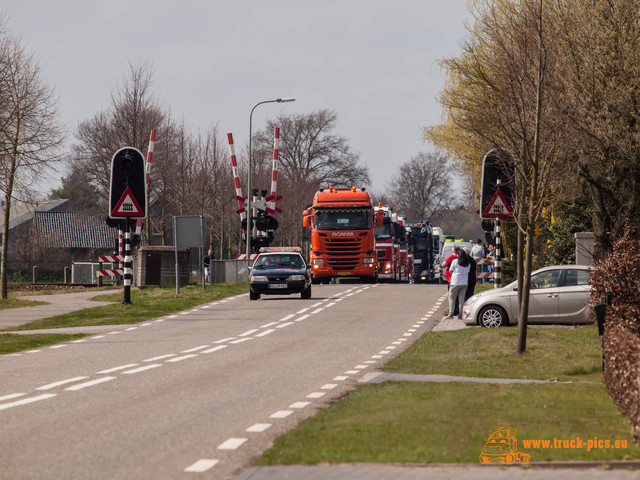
x,y
576,277
546,279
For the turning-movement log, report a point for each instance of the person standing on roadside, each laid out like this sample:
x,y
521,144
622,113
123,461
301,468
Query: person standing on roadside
x,y
458,285
471,282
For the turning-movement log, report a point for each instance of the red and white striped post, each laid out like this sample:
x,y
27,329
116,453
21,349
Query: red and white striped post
x,y
272,198
147,170
236,178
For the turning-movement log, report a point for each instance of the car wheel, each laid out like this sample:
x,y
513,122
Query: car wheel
x,y
254,295
492,316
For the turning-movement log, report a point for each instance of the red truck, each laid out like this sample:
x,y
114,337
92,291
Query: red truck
x,y
342,224
387,245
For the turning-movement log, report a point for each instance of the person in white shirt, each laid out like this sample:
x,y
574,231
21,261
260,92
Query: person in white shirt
x,y
459,279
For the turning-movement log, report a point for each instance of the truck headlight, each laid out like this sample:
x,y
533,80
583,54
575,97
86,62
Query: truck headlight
x,y
369,261
318,261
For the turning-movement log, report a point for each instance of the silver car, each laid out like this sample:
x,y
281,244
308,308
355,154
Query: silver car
x,y
559,294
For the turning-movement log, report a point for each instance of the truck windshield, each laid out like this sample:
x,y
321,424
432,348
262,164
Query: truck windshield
x,y
383,232
420,243
343,218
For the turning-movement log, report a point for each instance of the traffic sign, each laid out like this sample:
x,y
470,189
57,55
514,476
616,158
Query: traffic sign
x,y
498,175
128,193
498,207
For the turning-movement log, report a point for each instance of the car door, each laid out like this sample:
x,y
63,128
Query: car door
x,y
544,296
573,297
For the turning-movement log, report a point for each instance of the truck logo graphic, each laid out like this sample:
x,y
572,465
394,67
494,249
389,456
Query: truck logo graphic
x,y
343,234
502,447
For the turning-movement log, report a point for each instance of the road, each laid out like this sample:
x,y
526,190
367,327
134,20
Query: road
x,y
201,393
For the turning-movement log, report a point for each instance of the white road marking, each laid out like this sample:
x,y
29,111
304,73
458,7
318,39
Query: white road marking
x,y
214,349
351,372
286,324
302,318
329,386
330,304
246,339
299,404
160,357
383,352
266,332
121,367
142,369
316,395
201,465
359,367
267,325
62,346
25,401
340,378
284,319
258,427
248,332
80,341
12,396
317,310
302,310
316,305
281,414
224,340
61,382
195,349
91,383
376,356
232,443
130,328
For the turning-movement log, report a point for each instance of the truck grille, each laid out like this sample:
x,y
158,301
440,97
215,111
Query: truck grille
x,y
343,252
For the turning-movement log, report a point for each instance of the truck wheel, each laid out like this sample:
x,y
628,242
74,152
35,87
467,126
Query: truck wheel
x,y
315,281
254,295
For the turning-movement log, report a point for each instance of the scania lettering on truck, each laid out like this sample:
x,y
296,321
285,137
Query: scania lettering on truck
x,y
342,224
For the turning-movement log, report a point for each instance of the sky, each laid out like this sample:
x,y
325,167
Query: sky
x,y
373,62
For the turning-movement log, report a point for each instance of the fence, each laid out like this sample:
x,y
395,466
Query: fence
x,y
230,271
45,271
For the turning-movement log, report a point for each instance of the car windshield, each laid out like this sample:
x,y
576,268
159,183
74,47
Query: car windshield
x,y
279,261
383,232
343,218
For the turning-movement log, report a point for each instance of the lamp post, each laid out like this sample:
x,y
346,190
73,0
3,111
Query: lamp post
x,y
248,203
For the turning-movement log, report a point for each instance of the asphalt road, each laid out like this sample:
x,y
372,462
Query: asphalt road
x,y
201,393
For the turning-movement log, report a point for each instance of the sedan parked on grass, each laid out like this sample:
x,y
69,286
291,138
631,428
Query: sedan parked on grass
x,y
559,295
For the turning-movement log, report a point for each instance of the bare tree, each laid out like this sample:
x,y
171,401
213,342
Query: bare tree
x,y
423,186
30,135
133,113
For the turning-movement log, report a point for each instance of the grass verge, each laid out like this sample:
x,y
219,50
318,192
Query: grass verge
x,y
17,303
145,304
12,343
425,422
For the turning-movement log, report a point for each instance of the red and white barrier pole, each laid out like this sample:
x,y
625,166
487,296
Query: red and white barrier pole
x,y
271,199
236,178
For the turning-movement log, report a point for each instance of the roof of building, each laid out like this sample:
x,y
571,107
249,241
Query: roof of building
x,y
23,212
73,230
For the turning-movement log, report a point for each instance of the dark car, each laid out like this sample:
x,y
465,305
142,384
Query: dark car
x,y
280,271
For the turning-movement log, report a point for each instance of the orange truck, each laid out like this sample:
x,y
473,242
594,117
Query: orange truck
x,y
342,224
502,447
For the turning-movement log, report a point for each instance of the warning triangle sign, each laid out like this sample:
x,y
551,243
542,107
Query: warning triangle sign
x,y
127,206
498,207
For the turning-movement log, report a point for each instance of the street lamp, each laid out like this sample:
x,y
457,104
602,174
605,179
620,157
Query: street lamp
x,y
248,204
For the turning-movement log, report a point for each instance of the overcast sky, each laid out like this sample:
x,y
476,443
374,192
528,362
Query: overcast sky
x,y
374,62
